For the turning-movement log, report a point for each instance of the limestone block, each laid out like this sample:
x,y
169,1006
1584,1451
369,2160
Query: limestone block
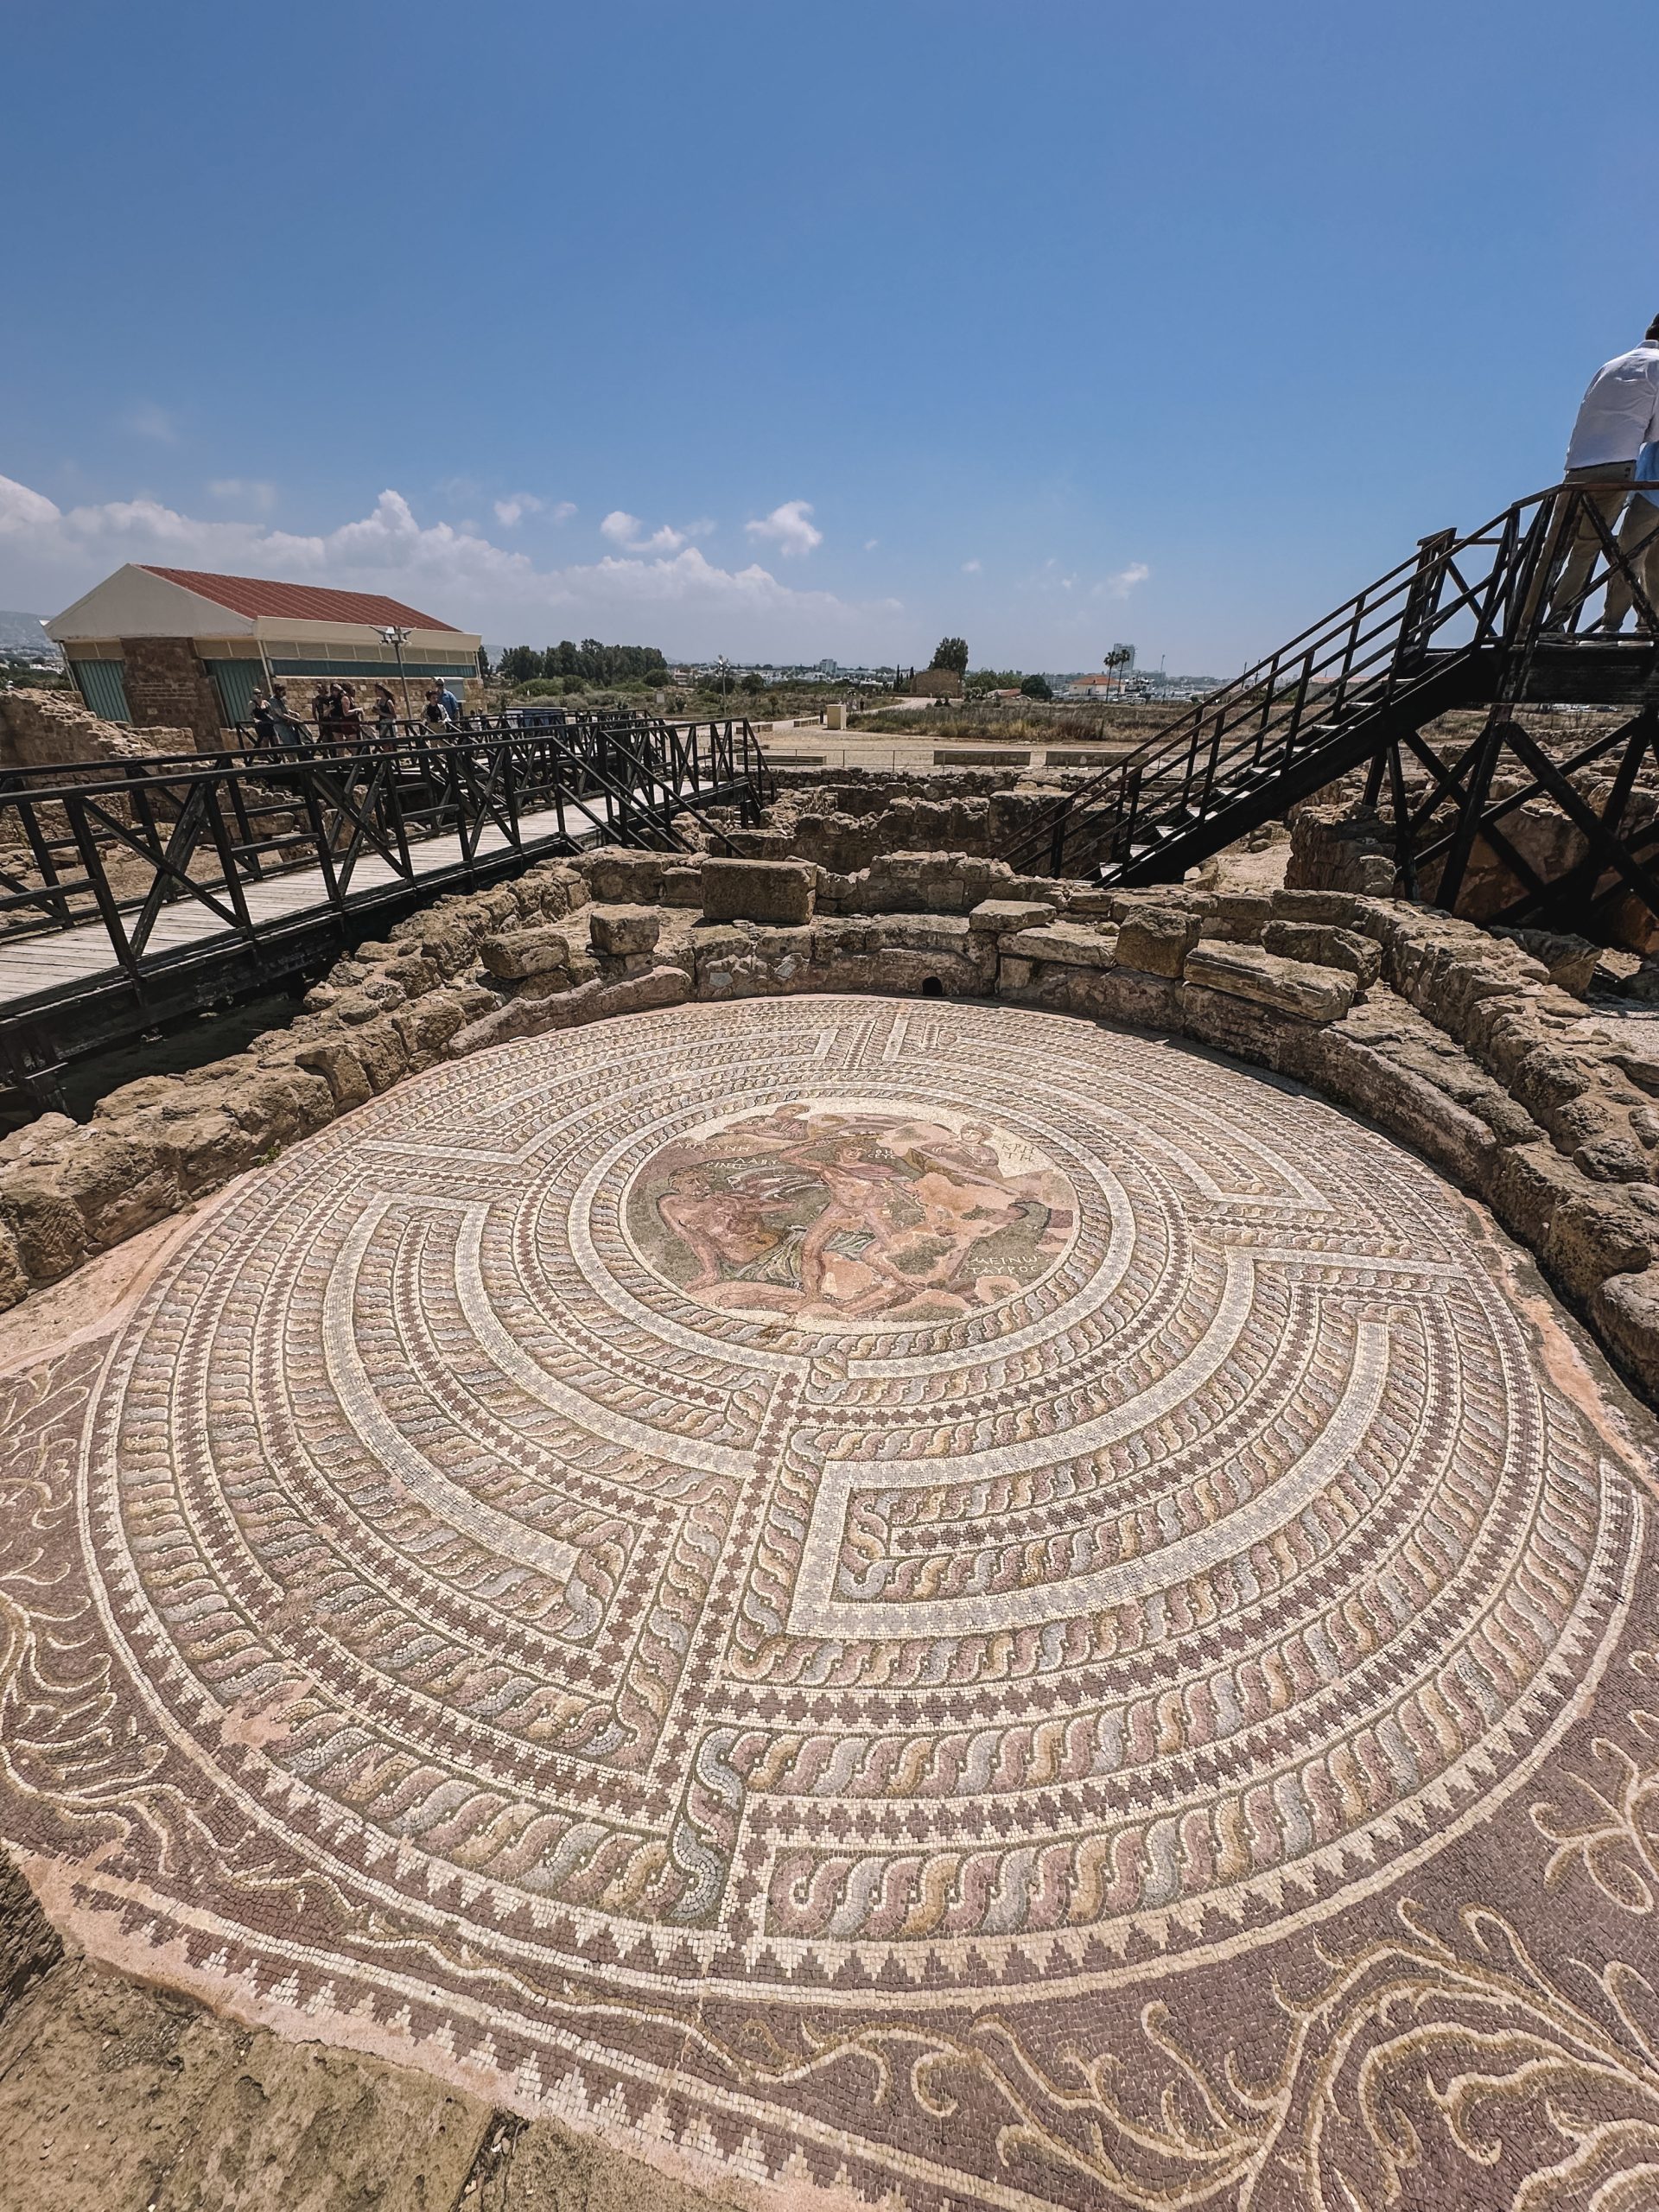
x,y
208,1147
1569,961
500,909
1528,1183
1235,1026
589,1001
1549,1077
837,894
1451,992
1157,939
515,954
1240,917
926,933
1068,944
280,1104
621,876
382,1051
145,1093
1605,1229
1611,1159
340,1067
620,930
555,887
426,1028
898,967
1340,909
1400,1098
681,887
447,939
1000,916
520,1017
47,1129
848,937
932,882
120,1182
413,972
1625,1308
1293,987
362,1004
45,1222
757,891
1325,945
1092,903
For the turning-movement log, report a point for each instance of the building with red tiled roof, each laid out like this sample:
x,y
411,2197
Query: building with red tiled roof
x,y
186,649
256,596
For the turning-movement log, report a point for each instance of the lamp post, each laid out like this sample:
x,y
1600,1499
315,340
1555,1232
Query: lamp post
x,y
396,638
725,681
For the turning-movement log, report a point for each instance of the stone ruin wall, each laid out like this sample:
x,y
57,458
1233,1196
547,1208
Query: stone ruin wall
x,y
1478,1051
1341,845
50,730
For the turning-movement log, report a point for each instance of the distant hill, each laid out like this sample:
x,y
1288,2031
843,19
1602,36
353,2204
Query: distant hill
x,y
20,631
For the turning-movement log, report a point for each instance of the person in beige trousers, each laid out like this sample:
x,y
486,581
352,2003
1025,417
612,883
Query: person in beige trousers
x,y
1618,415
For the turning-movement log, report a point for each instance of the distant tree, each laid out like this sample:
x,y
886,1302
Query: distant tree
x,y
1036,687
992,679
752,684
520,664
951,653
601,666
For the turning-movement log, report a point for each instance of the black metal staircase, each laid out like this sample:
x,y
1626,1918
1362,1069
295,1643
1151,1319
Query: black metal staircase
x,y
1472,621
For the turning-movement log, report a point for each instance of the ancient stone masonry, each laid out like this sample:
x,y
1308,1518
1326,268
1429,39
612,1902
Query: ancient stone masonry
x,y
1463,1043
856,1594
47,729
168,686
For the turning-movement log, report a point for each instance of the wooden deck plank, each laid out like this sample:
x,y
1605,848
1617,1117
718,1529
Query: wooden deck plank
x,y
78,954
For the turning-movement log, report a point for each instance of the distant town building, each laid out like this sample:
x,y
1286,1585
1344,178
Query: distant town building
x,y
182,649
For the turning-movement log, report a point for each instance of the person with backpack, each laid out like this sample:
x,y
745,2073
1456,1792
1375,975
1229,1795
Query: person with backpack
x,y
1638,547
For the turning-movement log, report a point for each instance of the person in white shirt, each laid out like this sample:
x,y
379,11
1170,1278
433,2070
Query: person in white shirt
x,y
1618,415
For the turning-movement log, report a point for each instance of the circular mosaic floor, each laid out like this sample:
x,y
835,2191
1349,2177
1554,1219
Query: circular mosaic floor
x,y
751,1508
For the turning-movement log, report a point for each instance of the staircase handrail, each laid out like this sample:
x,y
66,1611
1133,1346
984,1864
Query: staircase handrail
x,y
1390,602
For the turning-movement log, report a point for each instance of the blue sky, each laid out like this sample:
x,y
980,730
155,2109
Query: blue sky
x,y
793,329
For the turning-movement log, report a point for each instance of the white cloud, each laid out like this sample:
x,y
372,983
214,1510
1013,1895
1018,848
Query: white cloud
x,y
1121,585
636,537
870,544
146,420
251,491
971,567
49,555
518,504
563,511
788,528
22,510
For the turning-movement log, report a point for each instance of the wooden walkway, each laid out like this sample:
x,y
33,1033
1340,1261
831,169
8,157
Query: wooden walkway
x,y
65,962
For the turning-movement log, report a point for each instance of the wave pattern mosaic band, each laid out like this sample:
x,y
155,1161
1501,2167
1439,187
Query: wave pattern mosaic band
x,y
764,1577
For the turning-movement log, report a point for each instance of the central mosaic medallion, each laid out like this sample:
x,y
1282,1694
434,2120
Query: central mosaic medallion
x,y
640,1545
848,1213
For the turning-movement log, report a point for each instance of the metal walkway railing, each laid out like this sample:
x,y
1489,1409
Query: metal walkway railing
x,y
136,891
1489,618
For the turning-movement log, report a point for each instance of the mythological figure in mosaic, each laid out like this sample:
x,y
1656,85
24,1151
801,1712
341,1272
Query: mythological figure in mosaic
x,y
820,1212
934,1602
